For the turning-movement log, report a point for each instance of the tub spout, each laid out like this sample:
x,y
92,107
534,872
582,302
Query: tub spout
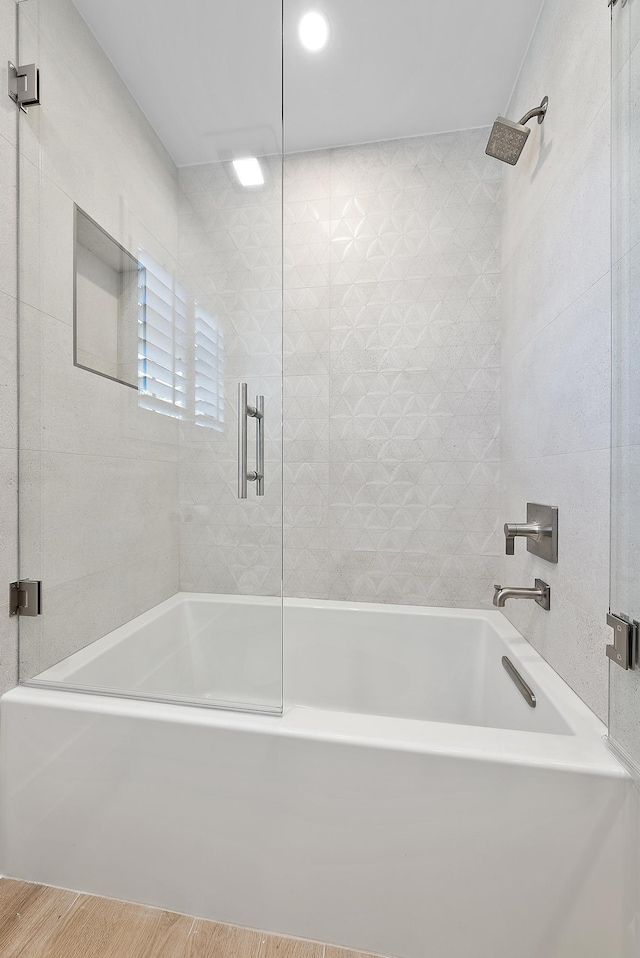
x,y
541,593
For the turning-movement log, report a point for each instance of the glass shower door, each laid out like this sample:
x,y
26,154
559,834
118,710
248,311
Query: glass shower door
x,y
150,270
624,684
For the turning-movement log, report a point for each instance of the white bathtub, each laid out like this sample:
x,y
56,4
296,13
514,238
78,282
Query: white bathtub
x,y
408,801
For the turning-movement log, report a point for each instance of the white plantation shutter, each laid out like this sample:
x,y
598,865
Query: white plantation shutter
x,y
162,341
209,369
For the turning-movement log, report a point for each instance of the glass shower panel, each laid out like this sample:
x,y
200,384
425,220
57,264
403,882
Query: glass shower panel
x,y
150,275
624,685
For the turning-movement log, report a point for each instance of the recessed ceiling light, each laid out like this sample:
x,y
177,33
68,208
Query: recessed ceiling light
x,y
313,31
248,171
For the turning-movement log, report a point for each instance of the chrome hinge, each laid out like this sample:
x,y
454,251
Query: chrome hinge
x,y
24,84
625,641
24,597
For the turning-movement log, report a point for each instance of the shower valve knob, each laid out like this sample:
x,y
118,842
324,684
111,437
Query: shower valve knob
x,y
540,530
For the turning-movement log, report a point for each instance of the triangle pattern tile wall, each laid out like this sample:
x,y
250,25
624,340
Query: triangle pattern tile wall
x,y
391,373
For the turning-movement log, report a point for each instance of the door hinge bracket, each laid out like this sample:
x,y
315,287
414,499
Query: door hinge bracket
x,y
24,597
624,651
24,85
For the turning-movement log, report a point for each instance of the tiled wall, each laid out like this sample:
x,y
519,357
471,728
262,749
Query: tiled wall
x,y
99,475
391,364
8,355
556,339
392,371
231,254
624,689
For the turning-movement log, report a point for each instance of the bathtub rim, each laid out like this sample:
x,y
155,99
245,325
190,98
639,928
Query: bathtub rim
x,y
586,753
584,747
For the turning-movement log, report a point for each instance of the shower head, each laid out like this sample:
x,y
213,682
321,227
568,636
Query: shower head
x,y
507,139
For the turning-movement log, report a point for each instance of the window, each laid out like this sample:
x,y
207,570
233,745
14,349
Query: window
x,y
209,370
162,341
173,329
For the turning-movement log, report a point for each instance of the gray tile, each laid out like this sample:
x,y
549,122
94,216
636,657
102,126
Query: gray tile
x,y
557,55
8,217
99,511
8,650
8,111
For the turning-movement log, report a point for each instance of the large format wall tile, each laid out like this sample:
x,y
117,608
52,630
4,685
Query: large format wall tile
x,y
99,474
556,340
568,61
8,357
567,247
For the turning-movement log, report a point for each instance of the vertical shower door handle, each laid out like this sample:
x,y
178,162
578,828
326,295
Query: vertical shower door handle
x,y
244,412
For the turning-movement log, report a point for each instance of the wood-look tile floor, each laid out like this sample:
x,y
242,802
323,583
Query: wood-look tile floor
x,y
41,922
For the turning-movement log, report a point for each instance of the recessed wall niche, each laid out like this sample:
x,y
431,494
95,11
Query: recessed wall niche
x,y
105,312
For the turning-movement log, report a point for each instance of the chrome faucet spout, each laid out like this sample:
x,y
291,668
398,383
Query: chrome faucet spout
x,y
501,595
541,593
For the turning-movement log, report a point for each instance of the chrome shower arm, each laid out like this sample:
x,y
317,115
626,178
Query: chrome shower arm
x,y
538,111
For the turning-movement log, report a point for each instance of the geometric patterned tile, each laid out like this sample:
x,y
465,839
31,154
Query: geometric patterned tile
x,y
391,372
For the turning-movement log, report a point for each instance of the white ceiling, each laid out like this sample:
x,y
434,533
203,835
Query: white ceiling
x,y
207,73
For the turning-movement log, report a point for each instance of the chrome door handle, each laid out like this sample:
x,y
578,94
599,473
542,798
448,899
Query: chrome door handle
x,y
257,413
